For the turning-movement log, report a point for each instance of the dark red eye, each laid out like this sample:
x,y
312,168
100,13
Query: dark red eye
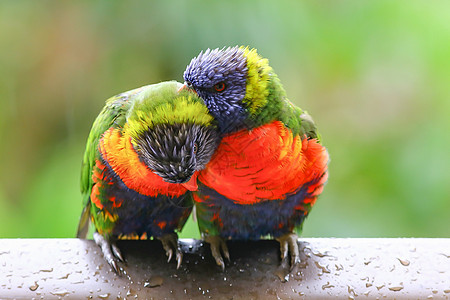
x,y
219,87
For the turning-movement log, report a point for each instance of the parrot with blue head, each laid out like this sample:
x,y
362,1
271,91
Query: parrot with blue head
x,y
270,166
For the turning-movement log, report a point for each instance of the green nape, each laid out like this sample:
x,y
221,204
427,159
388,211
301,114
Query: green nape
x,y
163,104
278,107
266,99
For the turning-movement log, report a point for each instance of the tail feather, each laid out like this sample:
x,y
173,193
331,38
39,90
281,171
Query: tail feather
x,y
85,220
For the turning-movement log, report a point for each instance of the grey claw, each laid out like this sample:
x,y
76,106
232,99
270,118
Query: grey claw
x,y
114,265
289,246
283,250
109,249
218,245
179,256
220,263
117,252
295,260
225,250
170,244
169,254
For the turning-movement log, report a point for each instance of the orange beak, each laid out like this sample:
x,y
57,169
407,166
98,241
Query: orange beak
x,y
191,185
184,87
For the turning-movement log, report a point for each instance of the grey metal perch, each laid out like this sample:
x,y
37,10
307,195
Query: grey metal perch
x,y
330,268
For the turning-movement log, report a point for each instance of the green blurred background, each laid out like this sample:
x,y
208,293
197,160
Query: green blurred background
x,y
374,74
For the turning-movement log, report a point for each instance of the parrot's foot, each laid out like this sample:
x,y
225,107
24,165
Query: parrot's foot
x,y
217,245
288,245
170,244
110,251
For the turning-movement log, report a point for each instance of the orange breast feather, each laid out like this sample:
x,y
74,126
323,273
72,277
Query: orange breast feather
x,y
265,163
118,152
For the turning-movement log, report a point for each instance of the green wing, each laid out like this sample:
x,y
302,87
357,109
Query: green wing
x,y
308,127
299,121
112,115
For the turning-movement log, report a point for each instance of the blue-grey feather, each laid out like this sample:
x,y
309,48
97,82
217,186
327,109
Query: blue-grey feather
x,y
227,65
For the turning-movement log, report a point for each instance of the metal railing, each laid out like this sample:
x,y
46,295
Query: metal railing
x,y
330,268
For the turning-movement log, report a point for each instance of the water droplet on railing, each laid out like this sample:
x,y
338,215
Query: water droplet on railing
x,y
396,288
320,254
34,286
61,293
327,286
65,276
324,269
104,296
46,270
404,262
154,281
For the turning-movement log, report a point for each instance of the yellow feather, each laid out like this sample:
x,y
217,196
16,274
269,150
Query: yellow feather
x,y
257,80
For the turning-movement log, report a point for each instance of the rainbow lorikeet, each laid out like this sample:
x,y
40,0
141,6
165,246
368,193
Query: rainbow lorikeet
x,y
269,168
142,158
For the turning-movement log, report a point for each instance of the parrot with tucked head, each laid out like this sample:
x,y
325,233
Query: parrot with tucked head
x,y
142,158
270,166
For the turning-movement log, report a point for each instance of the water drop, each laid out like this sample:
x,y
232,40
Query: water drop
x,y
324,269
404,262
154,281
61,293
351,290
327,286
46,270
396,288
319,254
34,286
65,276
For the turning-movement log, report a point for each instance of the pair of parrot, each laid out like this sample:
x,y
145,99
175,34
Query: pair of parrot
x,y
227,141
